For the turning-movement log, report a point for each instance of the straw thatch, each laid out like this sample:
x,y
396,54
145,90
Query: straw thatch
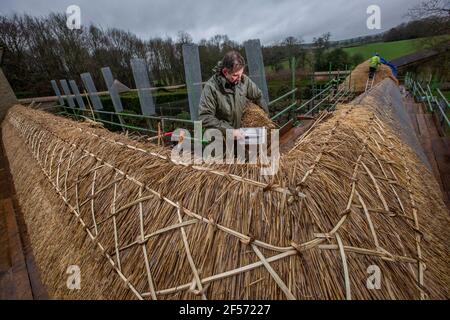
x,y
7,96
254,116
350,195
358,77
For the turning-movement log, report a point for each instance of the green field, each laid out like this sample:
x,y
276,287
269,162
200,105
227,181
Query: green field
x,y
391,50
388,50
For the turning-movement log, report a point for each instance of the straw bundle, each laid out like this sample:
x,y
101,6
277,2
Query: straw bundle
x,y
254,116
360,74
348,196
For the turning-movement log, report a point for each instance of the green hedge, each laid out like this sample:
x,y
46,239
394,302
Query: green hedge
x,y
131,104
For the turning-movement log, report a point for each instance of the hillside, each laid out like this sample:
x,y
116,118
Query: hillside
x,y
391,50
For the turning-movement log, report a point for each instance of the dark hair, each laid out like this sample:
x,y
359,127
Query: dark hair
x,y
233,61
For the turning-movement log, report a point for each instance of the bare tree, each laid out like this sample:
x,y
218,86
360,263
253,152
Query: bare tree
x,y
436,8
435,12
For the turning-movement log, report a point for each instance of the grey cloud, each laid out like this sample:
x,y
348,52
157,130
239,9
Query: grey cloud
x,y
269,20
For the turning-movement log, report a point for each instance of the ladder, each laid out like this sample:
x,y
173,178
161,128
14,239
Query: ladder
x,y
369,83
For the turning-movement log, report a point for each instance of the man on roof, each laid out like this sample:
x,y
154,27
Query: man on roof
x,y
374,62
226,93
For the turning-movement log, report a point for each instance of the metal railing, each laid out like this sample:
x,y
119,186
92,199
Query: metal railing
x,y
96,115
328,97
434,100
91,114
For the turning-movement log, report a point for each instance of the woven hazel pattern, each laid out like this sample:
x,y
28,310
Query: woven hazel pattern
x,y
349,195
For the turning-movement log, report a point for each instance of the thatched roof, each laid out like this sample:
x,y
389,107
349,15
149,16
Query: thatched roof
x,y
7,96
358,77
350,195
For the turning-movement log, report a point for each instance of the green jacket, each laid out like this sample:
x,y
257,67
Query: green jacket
x,y
374,62
222,104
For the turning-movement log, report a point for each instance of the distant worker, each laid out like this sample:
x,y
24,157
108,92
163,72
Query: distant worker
x,y
373,65
225,95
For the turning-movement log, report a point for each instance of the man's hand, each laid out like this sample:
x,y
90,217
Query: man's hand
x,y
237,134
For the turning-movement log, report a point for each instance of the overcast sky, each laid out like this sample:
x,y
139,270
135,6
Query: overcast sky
x,y
268,20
